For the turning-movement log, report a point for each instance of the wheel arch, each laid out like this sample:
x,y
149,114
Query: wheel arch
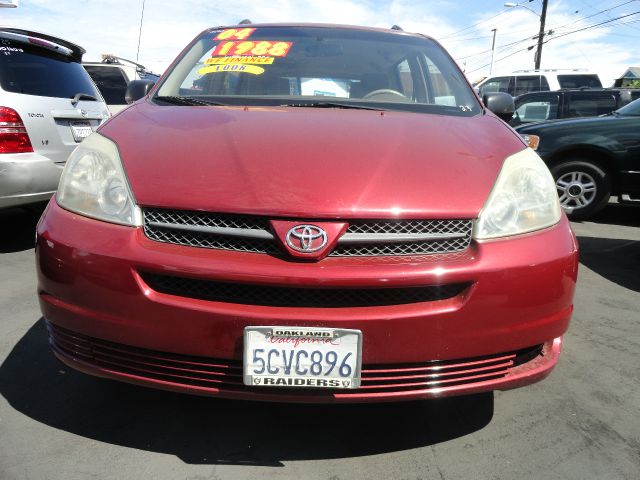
x,y
600,157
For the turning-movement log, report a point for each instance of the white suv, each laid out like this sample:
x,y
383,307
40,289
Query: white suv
x,y
48,104
525,81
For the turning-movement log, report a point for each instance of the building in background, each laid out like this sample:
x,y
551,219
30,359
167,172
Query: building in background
x,y
630,78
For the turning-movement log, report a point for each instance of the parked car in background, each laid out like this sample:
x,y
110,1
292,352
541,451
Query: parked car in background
x,y
113,74
543,106
591,158
308,213
524,81
48,104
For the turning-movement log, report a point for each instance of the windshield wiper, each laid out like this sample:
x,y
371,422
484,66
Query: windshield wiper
x,y
331,105
82,96
189,101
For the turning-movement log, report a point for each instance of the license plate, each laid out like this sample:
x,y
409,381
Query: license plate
x,y
80,130
300,357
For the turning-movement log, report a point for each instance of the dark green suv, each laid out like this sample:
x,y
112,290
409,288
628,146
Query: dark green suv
x,y
591,158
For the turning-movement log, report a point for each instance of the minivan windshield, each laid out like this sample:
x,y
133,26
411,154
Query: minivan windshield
x,y
328,67
32,70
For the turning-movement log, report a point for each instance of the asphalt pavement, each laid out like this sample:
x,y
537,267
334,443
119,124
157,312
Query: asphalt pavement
x,y
583,422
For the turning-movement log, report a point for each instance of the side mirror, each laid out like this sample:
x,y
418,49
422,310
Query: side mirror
x,y
136,89
500,103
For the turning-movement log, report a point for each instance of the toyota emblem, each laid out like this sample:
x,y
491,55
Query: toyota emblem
x,y
306,238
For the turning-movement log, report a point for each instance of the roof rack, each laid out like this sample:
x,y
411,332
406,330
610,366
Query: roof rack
x,y
113,59
552,70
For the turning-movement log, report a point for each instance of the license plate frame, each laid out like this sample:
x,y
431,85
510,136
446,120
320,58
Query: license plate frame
x,y
341,341
80,129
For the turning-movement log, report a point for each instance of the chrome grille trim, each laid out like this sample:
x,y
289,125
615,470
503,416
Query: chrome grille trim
x,y
363,238
375,238
354,238
239,233
252,233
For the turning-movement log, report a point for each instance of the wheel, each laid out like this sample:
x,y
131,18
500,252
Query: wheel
x,y
385,92
583,187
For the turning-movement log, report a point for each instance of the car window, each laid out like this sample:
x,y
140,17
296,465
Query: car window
x,y
579,81
496,84
537,109
283,65
110,81
525,84
33,70
440,90
406,78
590,105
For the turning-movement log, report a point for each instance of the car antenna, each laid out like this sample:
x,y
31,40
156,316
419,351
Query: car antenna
x,y
246,21
397,27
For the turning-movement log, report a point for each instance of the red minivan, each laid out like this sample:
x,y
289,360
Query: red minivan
x,y
308,213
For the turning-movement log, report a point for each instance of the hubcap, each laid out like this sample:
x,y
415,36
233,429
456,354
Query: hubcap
x,y
576,190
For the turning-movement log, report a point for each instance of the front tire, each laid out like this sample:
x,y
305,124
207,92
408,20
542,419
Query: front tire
x,y
583,187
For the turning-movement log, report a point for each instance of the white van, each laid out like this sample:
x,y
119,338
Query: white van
x,y
525,81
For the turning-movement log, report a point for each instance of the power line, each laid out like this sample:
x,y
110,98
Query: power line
x,y
592,26
535,36
597,25
593,8
474,25
594,14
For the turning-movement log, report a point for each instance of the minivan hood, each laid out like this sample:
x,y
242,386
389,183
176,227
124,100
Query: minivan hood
x,y
313,163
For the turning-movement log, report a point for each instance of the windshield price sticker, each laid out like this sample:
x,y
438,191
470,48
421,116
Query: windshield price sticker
x,y
298,357
239,33
269,48
232,67
239,59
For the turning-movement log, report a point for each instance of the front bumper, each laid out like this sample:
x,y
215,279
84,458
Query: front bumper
x,y
91,291
27,178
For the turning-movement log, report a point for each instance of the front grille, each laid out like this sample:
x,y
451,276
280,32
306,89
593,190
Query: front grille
x,y
278,296
222,375
253,234
206,230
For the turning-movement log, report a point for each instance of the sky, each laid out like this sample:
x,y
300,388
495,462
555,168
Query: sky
x,y
599,35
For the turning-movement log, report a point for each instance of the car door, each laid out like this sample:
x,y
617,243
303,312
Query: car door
x,y
535,107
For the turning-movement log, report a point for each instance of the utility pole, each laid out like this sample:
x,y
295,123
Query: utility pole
x,y
543,17
493,50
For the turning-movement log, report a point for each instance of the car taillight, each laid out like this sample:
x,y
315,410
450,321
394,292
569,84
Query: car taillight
x,y
13,134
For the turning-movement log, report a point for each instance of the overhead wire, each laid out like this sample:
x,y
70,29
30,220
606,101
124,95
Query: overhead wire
x,y
597,25
603,24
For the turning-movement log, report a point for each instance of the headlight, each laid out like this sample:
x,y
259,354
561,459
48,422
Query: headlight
x,y
93,183
523,199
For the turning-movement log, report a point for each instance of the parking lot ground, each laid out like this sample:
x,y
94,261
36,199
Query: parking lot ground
x,y
583,422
